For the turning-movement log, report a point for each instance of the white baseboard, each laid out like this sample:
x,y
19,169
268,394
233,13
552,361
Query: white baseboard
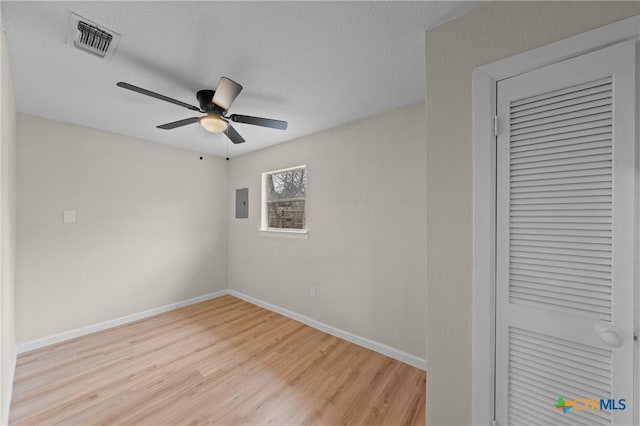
x,y
8,392
350,337
358,340
72,334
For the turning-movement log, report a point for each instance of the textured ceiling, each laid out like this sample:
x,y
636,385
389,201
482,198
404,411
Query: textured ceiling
x,y
315,64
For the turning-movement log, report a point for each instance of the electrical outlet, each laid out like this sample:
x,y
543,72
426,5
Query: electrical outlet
x,y
312,291
69,216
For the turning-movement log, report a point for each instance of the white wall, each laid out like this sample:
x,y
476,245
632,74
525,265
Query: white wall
x,y
151,226
7,230
453,50
366,218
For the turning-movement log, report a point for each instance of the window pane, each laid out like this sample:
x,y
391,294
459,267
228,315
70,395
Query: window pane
x,y
286,185
286,214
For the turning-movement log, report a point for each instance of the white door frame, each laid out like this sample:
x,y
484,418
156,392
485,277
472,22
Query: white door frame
x,y
485,79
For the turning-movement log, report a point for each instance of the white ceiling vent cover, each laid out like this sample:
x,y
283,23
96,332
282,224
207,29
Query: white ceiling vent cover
x,y
90,37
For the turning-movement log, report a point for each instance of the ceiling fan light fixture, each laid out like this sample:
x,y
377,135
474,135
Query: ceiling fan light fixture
x,y
213,123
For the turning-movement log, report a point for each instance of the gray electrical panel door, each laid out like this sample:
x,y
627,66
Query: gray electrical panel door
x,y
242,203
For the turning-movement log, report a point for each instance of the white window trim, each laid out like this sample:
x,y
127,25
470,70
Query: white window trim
x,y
264,229
485,79
301,234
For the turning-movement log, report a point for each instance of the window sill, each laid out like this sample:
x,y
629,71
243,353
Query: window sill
x,y
298,234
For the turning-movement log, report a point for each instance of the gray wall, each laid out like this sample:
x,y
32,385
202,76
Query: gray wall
x,y
151,226
365,212
7,228
453,50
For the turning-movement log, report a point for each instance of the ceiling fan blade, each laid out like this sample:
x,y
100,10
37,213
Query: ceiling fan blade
x,y
226,92
178,123
258,121
156,95
233,135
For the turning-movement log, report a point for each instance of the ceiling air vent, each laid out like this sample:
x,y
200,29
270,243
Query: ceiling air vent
x,y
91,37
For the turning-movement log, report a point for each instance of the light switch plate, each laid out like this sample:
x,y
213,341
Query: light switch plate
x,y
69,216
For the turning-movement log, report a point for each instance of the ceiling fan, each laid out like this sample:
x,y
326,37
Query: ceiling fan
x,y
215,104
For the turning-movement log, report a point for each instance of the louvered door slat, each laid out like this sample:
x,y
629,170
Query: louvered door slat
x,y
562,123
578,291
563,168
560,277
576,356
567,284
529,265
517,147
553,248
557,197
586,137
546,161
553,105
559,360
592,173
577,308
545,254
570,285
552,245
561,220
580,264
584,160
556,225
576,151
555,367
594,132
567,111
541,150
578,88
568,214
542,197
563,188
526,205
532,181
558,115
561,232
563,300
563,131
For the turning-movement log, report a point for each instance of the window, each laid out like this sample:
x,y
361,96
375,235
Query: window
x,y
283,199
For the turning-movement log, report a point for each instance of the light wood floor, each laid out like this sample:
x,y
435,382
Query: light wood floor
x,y
223,362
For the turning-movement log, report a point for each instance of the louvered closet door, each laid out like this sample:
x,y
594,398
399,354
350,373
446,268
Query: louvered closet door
x,y
565,239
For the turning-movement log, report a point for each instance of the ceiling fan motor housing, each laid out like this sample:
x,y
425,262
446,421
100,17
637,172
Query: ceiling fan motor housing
x,y
205,99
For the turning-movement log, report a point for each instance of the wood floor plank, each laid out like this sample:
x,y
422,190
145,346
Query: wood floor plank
x,y
222,361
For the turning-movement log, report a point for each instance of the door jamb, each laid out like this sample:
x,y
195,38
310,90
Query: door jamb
x,y
485,79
